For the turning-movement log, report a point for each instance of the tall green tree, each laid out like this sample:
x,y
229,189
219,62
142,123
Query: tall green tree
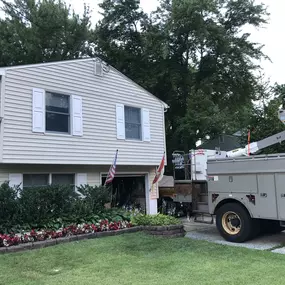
x,y
264,120
41,31
194,55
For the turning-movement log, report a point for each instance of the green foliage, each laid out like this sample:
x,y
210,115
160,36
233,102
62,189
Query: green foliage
x,y
42,31
52,207
193,55
95,199
264,121
8,205
154,220
42,204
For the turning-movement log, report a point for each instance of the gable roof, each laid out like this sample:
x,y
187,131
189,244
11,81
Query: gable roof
x,y
4,69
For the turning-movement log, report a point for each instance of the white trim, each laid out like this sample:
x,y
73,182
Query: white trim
x,y
2,114
2,71
147,193
48,63
164,136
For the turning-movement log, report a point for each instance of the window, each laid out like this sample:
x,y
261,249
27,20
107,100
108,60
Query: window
x,y
63,179
133,123
57,113
31,180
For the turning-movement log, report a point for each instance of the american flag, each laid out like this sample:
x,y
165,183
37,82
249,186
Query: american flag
x,y
112,170
160,170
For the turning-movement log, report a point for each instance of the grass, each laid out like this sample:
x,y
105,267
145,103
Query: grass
x,y
142,259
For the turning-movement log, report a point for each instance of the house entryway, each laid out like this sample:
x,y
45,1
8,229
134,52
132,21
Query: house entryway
x,y
128,191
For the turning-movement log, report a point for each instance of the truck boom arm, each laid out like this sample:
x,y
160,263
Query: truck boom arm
x,y
256,146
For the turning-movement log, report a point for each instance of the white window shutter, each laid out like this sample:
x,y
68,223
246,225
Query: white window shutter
x,y
120,117
145,125
38,110
16,179
77,119
80,180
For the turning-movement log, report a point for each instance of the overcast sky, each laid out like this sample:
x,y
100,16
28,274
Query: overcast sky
x,y
270,36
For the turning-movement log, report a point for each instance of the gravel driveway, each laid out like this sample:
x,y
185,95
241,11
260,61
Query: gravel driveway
x,y
200,231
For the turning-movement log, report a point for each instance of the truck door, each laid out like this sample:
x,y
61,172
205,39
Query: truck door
x,y
266,199
280,195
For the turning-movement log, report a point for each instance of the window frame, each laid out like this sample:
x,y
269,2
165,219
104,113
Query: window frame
x,y
69,114
140,124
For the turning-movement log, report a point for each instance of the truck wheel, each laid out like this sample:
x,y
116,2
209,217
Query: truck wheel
x,y
235,224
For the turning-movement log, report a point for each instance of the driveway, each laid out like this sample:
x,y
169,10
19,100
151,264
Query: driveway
x,y
200,231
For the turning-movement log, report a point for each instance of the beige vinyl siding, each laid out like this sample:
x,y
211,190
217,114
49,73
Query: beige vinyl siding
x,y
99,98
94,173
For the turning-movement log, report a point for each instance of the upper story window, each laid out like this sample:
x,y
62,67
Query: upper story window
x,y
133,124
57,112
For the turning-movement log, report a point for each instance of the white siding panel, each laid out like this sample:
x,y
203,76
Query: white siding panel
x,y
100,96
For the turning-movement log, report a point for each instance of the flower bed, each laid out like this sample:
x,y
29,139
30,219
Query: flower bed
x,y
8,240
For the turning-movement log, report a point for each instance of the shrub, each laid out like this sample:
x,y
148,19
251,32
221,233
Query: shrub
x,y
50,206
38,205
9,207
154,220
94,202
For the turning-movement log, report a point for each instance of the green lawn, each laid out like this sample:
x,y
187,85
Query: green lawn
x,y
141,259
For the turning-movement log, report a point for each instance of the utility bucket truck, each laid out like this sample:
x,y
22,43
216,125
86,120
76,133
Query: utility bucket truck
x,y
245,193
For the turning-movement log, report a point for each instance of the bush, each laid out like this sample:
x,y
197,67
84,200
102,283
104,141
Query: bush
x,y
94,202
154,220
50,206
39,205
9,207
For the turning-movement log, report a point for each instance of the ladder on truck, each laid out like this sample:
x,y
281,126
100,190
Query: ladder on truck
x,y
185,174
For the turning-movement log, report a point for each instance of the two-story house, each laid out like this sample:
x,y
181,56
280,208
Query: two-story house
x,y
62,123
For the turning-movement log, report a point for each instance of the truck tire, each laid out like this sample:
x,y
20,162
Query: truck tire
x,y
235,224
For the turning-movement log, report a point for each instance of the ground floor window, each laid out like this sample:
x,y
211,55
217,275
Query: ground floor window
x,y
33,180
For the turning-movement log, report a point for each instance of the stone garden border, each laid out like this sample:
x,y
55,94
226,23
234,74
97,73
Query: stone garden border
x,y
165,231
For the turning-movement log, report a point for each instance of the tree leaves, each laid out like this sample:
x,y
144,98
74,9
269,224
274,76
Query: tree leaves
x,y
42,31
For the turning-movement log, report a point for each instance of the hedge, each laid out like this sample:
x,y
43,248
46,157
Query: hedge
x,y
50,206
